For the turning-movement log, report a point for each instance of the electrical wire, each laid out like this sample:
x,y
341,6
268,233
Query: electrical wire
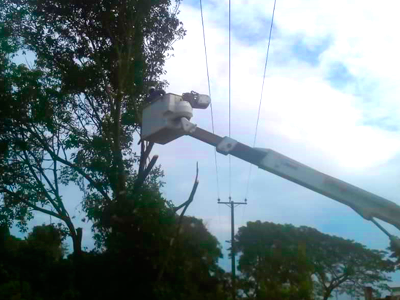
x,y
262,91
209,93
242,217
230,165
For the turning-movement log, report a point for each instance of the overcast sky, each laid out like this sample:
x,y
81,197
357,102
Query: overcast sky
x,y
330,101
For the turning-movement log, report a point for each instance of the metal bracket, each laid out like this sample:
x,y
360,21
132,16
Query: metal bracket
x,y
187,126
226,145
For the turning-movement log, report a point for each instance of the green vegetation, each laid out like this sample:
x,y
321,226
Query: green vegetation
x,y
34,268
287,262
73,117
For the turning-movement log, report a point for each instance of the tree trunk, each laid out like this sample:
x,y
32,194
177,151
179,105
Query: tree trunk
x,y
118,156
77,242
77,260
327,294
76,236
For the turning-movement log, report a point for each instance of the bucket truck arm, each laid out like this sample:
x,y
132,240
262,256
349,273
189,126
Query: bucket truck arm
x,y
171,122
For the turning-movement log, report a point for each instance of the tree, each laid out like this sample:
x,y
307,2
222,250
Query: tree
x,y
178,253
74,116
29,178
34,268
344,264
272,262
76,109
300,255
29,175
49,239
193,271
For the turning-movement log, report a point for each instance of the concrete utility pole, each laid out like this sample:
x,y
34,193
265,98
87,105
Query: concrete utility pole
x,y
231,204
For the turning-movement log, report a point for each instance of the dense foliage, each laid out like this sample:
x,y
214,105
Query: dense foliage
x,y
72,115
36,268
273,262
287,262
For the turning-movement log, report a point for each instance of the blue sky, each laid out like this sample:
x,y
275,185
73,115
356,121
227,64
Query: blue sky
x,y
330,101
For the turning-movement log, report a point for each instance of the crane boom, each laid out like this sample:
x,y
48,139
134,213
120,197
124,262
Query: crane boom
x,y
368,205
169,118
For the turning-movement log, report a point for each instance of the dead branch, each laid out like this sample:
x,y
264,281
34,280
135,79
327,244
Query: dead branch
x,y
185,205
142,177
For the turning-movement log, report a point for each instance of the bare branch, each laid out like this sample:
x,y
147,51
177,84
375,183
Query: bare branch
x,y
186,204
88,98
69,164
46,193
27,203
141,178
144,155
54,189
83,125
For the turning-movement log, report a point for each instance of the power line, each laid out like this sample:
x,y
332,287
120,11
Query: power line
x,y
262,90
242,219
209,93
230,165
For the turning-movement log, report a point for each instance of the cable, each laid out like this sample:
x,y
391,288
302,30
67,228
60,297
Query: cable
x,y
242,218
230,168
381,228
262,90
209,93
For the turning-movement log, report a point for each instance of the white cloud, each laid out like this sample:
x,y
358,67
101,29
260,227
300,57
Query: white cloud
x,y
298,102
303,115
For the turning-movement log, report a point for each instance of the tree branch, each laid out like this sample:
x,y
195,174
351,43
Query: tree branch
x,y
51,200
193,192
187,203
83,125
71,165
94,110
39,168
27,203
191,197
321,279
141,178
144,155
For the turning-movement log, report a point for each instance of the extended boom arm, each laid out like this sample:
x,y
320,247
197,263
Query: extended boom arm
x,y
365,203
168,119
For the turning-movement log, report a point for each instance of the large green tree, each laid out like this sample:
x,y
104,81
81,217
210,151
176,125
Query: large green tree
x,y
72,115
344,265
193,271
282,262
273,262
34,268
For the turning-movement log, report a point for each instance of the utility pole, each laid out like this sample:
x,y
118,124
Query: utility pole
x,y
231,204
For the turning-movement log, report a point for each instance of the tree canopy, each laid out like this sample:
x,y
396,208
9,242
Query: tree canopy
x,y
285,262
72,115
273,263
345,265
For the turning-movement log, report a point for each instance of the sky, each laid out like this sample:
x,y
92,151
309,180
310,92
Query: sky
x,y
330,101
